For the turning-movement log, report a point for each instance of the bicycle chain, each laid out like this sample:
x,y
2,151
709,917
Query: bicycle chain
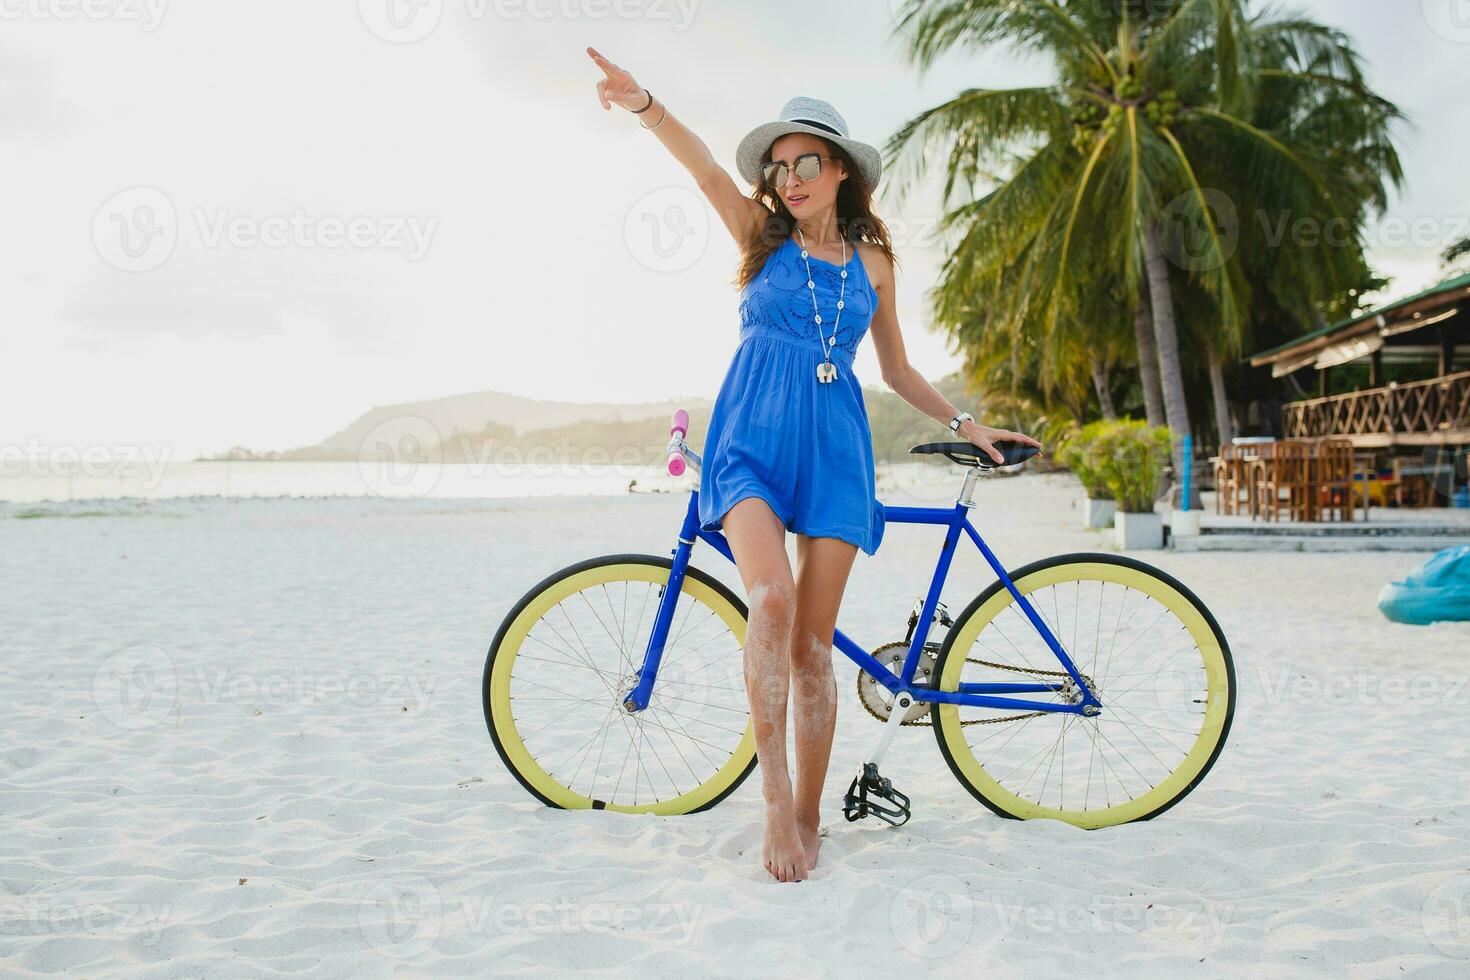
x,y
969,660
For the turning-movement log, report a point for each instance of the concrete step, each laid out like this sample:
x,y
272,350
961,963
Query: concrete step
x,y
1354,530
1304,542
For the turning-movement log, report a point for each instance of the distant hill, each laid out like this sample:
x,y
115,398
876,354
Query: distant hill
x,y
492,425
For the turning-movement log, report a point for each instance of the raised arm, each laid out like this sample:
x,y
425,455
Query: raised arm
x,y
741,215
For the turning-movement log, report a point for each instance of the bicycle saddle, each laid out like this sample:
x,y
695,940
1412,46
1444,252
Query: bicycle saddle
x,y
969,454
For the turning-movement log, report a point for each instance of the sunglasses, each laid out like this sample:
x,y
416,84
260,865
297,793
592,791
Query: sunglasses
x,y
808,166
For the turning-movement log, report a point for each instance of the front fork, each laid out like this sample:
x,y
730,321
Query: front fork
x,y
636,699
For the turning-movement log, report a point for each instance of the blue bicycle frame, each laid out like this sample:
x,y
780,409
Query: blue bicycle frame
x,y
955,520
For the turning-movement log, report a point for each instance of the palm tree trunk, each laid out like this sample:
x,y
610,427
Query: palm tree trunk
x,y
1148,363
1171,372
1100,383
1222,402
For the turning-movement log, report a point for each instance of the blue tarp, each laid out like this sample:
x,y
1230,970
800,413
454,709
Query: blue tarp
x,y
1438,589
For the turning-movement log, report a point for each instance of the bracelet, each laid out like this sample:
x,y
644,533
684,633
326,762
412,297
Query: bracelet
x,y
645,108
660,122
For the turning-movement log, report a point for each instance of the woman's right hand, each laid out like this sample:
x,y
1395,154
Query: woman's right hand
x,y
617,87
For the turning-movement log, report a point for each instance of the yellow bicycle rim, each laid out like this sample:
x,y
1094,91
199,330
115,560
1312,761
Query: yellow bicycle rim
x,y
512,642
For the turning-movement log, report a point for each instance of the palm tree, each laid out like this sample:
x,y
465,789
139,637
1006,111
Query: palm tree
x,y
1116,172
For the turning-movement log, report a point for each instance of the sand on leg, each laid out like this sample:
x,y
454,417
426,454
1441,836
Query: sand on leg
x,y
822,568
758,541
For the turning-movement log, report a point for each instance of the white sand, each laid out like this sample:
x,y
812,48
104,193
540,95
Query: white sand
x,y
304,784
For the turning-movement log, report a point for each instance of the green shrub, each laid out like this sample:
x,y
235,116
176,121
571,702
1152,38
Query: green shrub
x,y
1131,457
1080,455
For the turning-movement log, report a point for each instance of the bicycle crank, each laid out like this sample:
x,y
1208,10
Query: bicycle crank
x,y
878,699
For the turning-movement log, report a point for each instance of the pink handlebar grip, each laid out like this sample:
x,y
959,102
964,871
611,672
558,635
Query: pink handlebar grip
x,y
678,427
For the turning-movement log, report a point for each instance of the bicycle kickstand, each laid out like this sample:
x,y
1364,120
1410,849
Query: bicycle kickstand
x,y
858,803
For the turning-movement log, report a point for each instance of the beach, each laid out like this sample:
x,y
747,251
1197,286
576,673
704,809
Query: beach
x,y
245,738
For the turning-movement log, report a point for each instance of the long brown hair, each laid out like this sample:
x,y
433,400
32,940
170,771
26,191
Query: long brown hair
x,y
855,218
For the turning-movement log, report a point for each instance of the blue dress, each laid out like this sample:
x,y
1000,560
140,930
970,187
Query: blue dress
x,y
778,433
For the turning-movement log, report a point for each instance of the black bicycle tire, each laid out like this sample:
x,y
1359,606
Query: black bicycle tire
x,y
1068,559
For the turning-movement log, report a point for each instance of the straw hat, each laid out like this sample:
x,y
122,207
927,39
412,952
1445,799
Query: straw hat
x,y
805,115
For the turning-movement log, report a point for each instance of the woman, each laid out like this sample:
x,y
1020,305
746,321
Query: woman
x,y
789,446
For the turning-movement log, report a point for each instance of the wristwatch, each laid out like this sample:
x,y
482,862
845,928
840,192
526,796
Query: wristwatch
x,y
954,423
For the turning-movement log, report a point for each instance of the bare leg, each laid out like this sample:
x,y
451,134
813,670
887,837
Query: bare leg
x,y
757,540
822,566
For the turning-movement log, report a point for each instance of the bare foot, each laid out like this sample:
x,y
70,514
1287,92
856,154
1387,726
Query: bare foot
x,y
782,852
811,840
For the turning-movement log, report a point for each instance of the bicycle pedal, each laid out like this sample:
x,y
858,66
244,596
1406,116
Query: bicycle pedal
x,y
857,804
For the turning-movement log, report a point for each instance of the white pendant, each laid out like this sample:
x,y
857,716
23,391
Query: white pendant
x,y
826,372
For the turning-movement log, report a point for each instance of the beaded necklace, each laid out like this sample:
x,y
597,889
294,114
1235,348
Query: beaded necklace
x,y
826,371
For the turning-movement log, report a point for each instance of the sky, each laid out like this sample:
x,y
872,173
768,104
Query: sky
x,y
246,224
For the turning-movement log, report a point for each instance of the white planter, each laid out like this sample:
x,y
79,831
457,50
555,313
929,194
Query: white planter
x,y
1184,523
1097,513
1136,531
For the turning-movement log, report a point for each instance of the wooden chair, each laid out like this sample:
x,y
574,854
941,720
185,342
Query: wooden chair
x,y
1255,470
1335,489
1230,479
1260,472
1287,469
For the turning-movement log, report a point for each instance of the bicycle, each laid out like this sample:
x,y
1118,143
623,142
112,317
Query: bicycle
x,y
596,717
